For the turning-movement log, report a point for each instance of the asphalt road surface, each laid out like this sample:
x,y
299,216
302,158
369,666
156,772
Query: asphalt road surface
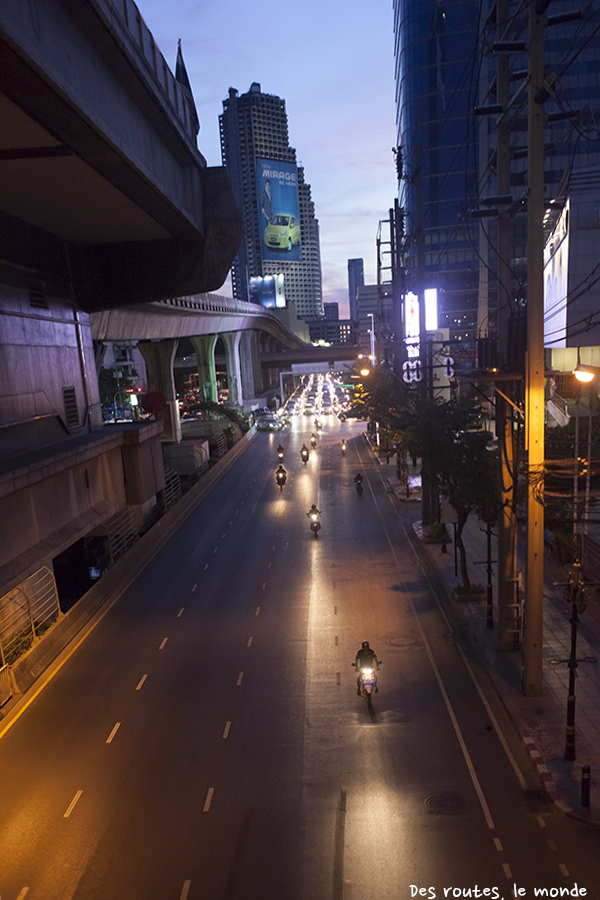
x,y
205,742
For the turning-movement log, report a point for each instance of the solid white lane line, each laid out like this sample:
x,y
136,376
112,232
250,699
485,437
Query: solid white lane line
x,y
249,644
208,800
113,732
180,613
507,871
194,588
240,676
257,611
227,727
163,643
185,890
139,687
71,806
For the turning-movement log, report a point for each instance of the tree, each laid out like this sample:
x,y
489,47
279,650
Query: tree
x,y
461,465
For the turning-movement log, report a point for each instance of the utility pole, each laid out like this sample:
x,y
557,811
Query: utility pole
x,y
508,595
534,407
428,501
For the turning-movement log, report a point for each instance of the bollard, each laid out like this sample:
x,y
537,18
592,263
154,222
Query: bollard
x,y
585,785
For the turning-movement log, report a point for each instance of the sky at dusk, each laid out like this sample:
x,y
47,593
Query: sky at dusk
x,y
332,62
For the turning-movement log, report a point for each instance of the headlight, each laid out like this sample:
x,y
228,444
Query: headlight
x,y
367,671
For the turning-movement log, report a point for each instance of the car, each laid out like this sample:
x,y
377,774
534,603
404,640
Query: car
x,y
282,232
268,423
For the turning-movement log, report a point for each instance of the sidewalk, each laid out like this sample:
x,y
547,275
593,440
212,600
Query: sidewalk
x,y
540,721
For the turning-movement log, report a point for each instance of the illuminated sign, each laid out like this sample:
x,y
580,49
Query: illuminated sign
x,y
268,291
556,278
431,309
411,324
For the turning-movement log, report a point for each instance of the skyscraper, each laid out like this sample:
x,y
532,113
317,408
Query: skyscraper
x,y
256,152
436,53
356,278
446,156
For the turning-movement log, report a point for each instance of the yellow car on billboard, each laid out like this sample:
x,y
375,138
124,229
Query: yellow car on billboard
x,y
282,232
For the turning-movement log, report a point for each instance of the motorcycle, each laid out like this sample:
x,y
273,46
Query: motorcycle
x,y
315,525
359,488
313,442
280,478
304,455
367,682
344,448
280,455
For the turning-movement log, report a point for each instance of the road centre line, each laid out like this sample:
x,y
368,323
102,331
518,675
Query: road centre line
x,y
139,687
71,806
113,732
239,681
164,641
208,800
506,869
227,727
185,890
498,844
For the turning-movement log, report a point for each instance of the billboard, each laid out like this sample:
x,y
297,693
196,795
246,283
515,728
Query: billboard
x,y
278,210
556,281
268,291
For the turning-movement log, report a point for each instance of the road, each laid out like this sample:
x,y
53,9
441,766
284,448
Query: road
x,y
205,742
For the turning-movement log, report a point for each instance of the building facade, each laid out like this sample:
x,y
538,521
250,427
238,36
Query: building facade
x,y
356,278
436,48
253,126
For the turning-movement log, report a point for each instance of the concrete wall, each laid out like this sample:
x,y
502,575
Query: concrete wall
x,y
43,351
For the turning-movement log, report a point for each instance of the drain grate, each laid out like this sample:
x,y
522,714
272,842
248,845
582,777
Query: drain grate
x,y
445,803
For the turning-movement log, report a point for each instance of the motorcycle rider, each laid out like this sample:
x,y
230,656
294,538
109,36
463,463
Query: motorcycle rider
x,y
304,452
280,451
366,658
313,510
313,440
280,471
344,447
358,479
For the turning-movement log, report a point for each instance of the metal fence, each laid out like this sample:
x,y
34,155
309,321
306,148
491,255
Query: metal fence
x,y
25,613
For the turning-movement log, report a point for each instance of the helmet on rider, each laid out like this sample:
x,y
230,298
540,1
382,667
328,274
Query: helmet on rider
x,y
365,645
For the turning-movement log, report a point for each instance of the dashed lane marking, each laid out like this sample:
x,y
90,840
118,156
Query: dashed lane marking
x,y
72,804
139,687
208,800
113,732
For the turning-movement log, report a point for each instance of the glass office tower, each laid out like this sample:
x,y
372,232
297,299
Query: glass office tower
x,y
436,50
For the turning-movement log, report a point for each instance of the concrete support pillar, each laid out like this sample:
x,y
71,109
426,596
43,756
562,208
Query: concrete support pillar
x,y
232,340
158,357
100,349
250,365
204,345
